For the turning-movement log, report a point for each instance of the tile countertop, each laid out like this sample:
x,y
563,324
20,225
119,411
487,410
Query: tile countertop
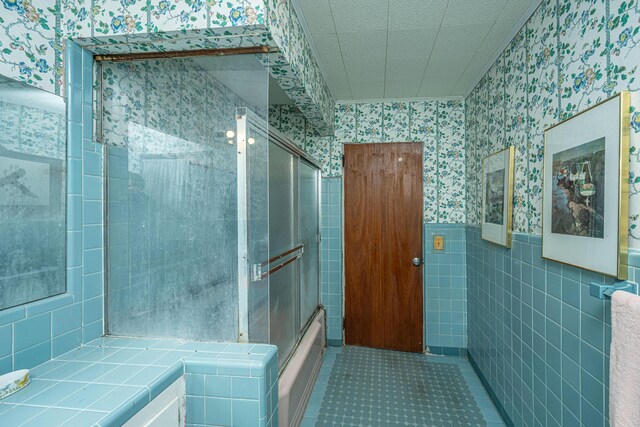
x,y
107,381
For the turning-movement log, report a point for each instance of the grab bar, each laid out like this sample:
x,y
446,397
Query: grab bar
x,y
257,272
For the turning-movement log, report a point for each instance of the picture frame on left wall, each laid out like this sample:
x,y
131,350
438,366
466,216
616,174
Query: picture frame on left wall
x,y
497,196
585,210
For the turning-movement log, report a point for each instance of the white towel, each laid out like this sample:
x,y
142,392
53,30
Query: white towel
x,y
624,388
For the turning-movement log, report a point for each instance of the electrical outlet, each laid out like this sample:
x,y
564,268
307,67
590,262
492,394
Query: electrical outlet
x,y
438,242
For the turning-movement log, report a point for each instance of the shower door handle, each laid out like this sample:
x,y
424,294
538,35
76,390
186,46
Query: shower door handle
x,y
417,262
263,270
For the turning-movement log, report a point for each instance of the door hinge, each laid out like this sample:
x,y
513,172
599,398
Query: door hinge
x,y
344,324
342,160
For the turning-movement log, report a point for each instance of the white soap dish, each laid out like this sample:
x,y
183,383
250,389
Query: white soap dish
x,y
13,381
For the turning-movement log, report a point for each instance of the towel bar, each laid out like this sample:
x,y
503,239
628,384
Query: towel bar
x,y
605,291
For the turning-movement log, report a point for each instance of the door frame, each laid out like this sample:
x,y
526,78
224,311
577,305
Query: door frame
x,y
423,266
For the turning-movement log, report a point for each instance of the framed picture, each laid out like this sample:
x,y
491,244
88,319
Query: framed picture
x,y
497,196
585,201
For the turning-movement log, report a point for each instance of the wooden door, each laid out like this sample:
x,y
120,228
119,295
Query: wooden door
x,y
383,234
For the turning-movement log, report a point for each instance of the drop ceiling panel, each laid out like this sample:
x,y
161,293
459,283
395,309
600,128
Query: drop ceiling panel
x,y
442,86
466,81
415,14
362,89
467,12
328,47
515,10
461,38
411,43
366,69
408,48
359,15
407,69
318,16
401,88
360,46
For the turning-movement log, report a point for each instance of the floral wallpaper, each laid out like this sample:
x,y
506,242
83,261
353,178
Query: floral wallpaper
x,y
571,54
30,42
438,124
86,19
32,31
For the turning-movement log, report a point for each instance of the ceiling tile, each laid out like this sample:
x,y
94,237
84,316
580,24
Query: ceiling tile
x,y
415,14
437,87
340,87
447,67
359,15
411,43
335,68
406,69
461,38
464,84
408,48
317,13
327,46
514,10
401,88
366,70
370,44
494,40
466,12
363,89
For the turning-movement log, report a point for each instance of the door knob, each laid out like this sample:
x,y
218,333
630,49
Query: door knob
x,y
416,261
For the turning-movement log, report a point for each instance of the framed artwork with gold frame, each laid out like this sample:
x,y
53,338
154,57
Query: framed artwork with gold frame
x,y
586,189
497,197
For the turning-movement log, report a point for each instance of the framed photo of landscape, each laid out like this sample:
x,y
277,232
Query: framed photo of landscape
x,y
585,201
497,196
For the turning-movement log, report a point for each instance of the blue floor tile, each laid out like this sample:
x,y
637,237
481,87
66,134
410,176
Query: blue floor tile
x,y
369,387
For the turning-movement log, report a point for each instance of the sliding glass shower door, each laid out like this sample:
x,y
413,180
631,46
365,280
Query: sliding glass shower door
x,y
283,238
289,277
309,215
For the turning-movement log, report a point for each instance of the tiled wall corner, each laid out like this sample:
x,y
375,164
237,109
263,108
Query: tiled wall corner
x,y
33,333
232,395
331,248
445,290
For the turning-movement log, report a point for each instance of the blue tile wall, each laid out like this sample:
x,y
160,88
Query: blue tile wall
x,y
445,289
331,256
34,333
232,396
536,336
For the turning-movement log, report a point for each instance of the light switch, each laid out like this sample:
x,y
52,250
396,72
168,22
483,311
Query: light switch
x,y
438,242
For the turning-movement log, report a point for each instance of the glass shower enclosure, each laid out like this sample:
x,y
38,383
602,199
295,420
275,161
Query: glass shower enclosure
x,y
212,218
291,296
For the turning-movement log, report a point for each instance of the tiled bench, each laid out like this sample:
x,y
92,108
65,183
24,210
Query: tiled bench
x,y
104,383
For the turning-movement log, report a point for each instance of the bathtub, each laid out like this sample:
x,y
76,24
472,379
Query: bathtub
x,y
299,375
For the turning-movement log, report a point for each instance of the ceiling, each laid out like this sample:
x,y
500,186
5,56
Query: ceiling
x,y
386,49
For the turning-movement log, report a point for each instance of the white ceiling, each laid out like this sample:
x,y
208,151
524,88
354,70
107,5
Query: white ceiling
x,y
385,49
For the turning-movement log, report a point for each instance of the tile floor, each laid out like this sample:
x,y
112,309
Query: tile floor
x,y
368,387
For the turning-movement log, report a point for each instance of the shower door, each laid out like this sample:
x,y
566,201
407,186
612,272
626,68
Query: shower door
x,y
287,280
309,229
283,238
